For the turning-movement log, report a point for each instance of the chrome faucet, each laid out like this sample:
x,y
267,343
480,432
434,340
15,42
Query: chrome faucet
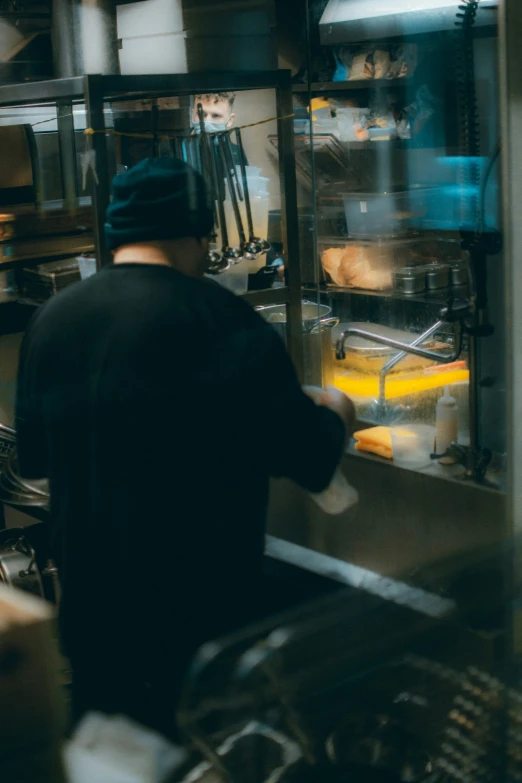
x,y
474,459
405,348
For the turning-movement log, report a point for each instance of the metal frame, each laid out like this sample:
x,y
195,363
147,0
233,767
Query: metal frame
x,y
511,125
95,91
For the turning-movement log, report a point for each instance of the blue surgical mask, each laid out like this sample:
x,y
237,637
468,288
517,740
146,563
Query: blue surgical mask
x,y
210,127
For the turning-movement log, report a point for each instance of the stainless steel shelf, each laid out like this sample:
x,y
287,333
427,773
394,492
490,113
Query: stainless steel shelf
x,y
39,251
439,297
131,87
268,296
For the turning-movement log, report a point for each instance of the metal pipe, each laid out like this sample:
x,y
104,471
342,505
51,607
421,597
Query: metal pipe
x,y
67,148
290,218
400,356
432,355
100,190
84,37
64,43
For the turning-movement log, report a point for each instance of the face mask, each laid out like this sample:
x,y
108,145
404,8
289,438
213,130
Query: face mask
x,y
210,127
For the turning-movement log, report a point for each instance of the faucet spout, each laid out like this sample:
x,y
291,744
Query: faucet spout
x,y
412,348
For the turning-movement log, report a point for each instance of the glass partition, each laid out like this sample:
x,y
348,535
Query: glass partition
x,y
397,155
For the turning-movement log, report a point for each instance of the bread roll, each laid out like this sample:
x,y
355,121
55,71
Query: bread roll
x,y
357,266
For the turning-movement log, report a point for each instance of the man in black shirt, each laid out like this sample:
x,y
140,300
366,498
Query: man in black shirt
x,y
158,405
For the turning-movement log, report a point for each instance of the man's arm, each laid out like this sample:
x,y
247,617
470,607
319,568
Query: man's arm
x,y
287,432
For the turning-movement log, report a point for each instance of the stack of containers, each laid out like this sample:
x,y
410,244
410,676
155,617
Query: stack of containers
x,y
236,277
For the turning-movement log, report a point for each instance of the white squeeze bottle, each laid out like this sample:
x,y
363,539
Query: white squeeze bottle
x,y
446,425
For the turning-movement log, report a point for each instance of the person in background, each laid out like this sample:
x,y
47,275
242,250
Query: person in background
x,y
218,113
158,405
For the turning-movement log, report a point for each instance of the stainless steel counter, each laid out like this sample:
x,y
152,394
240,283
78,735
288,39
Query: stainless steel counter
x,y
417,527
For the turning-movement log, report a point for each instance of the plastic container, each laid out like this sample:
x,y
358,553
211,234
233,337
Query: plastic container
x,y
259,208
412,445
235,278
87,266
257,185
352,124
389,214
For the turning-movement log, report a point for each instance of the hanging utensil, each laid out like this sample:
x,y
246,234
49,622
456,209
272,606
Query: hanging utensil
x,y
217,262
231,254
206,143
229,165
255,244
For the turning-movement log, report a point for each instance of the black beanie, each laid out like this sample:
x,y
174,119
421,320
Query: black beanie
x,y
159,199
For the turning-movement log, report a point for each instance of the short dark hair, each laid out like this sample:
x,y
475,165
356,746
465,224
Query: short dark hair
x,y
216,97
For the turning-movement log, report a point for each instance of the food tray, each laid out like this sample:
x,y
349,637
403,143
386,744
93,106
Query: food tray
x,y
370,265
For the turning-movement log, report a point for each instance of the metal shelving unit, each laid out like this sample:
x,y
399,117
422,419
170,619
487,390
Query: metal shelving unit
x,y
363,84
96,91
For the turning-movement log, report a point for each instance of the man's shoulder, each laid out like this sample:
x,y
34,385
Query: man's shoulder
x,y
232,306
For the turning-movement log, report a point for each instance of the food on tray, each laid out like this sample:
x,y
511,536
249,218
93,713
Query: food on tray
x,y
357,266
375,440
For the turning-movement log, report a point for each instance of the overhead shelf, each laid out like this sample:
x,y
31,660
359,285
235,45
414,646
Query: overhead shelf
x,y
267,296
363,84
39,251
439,297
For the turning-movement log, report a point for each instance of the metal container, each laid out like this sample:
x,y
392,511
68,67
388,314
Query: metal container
x,y
409,280
437,276
43,281
317,341
459,274
318,354
312,314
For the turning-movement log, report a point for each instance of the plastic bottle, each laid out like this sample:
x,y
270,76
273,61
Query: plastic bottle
x,y
446,425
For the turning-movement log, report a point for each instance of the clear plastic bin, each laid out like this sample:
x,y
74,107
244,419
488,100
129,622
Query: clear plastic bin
x,y
390,214
235,278
412,445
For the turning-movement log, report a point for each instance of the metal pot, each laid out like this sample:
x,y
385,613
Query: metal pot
x,y
318,354
409,280
313,314
437,276
317,326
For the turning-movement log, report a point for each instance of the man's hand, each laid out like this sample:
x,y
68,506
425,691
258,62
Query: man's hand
x,y
338,402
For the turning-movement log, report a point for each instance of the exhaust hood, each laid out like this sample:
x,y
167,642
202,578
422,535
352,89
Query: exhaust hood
x,y
348,21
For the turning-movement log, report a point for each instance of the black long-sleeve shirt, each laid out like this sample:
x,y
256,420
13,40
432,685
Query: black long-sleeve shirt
x,y
158,406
